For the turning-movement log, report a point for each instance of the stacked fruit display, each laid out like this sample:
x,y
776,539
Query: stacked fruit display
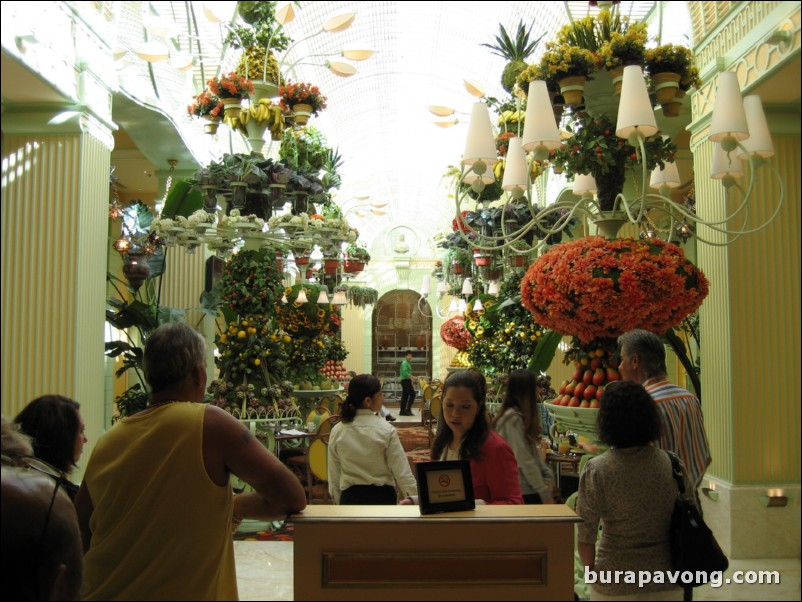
x,y
334,370
595,367
460,360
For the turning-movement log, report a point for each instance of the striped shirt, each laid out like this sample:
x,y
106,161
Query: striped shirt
x,y
682,428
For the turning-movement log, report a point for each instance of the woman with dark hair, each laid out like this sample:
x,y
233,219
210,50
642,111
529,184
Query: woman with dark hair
x,y
366,458
464,433
518,422
630,490
56,428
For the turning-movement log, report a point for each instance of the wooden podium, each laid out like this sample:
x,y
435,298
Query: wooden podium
x,y
394,553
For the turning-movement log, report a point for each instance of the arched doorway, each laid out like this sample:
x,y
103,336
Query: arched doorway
x,y
400,328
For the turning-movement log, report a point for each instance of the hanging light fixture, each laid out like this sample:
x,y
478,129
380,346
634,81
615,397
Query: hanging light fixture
x,y
301,298
323,297
339,298
738,128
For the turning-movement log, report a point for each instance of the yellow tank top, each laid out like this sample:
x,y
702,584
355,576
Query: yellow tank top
x,y
161,528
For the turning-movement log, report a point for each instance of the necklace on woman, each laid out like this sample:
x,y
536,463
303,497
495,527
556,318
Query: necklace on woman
x,y
161,403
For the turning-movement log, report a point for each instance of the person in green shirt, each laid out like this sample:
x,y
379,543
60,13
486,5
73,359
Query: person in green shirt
x,y
407,390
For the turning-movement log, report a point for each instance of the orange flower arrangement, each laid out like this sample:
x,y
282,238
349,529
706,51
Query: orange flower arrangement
x,y
206,104
597,288
454,333
231,86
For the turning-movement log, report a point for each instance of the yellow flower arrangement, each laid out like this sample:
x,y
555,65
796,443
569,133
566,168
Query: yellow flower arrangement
x,y
564,61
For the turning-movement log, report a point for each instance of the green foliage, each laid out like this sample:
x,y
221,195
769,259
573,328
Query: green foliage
x,y
515,50
182,199
252,283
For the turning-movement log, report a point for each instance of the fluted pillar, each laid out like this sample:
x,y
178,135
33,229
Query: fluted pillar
x,y
55,196
750,344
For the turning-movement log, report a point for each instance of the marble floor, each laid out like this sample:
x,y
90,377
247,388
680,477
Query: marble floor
x,y
264,572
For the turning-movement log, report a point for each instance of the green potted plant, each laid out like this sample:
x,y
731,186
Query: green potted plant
x,y
356,256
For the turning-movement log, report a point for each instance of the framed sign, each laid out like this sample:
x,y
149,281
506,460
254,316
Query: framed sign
x,y
445,486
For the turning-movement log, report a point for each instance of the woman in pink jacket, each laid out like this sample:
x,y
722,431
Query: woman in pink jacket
x,y
464,433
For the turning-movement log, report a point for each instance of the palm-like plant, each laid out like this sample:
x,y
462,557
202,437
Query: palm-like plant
x,y
515,50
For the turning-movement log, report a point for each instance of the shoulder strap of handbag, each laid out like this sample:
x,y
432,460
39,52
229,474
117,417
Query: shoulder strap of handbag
x,y
679,475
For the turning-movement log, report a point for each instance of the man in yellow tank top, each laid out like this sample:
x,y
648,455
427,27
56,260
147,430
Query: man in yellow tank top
x,y
156,507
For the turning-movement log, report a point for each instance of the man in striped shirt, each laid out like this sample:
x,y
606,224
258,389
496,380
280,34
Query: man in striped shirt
x,y
643,360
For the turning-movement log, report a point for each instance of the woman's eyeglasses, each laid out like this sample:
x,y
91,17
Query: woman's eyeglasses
x,y
32,463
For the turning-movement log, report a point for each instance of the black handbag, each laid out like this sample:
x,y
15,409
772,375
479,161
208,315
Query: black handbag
x,y
693,547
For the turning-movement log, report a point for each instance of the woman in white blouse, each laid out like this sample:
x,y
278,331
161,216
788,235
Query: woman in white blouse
x,y
518,422
366,459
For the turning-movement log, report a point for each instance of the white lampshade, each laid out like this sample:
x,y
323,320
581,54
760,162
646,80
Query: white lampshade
x,y
358,54
477,306
759,141
729,117
341,69
584,183
493,288
480,145
540,127
323,298
467,287
426,286
666,176
635,114
725,164
441,288
301,298
462,306
284,300
516,172
339,298
453,307
339,22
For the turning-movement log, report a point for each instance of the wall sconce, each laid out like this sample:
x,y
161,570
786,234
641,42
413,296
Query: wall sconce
x,y
774,498
710,491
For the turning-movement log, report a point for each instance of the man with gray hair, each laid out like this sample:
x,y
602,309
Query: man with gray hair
x,y
156,508
643,360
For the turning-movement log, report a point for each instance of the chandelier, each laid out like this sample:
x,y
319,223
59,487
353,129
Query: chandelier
x,y
738,129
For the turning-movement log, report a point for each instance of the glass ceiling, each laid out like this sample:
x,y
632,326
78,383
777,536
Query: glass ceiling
x,y
377,118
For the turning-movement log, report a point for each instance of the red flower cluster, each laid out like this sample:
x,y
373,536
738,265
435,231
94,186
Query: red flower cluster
x,y
454,333
296,93
205,104
231,86
461,224
503,142
594,288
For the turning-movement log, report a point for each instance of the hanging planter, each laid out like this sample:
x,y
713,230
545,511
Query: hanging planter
x,y
618,79
232,107
572,88
302,112
481,258
331,265
665,86
352,266
211,127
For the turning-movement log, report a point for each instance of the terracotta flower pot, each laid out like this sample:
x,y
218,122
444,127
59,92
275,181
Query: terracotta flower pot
x,y
302,112
665,86
352,266
572,88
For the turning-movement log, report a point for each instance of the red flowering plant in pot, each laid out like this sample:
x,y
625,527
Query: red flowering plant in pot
x,y
230,86
295,93
206,104
579,287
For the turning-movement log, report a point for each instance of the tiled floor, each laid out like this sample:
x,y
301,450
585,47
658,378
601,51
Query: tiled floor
x,y
264,572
